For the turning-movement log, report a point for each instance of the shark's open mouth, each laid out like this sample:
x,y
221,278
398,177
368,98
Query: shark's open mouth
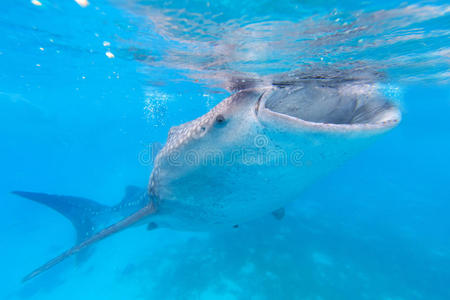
x,y
346,105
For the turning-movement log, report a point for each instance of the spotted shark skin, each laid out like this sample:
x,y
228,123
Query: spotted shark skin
x,y
248,156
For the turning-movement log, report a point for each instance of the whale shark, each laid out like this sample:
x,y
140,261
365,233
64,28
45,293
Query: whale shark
x,y
247,157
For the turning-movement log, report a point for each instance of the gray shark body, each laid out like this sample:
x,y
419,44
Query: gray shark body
x,y
250,155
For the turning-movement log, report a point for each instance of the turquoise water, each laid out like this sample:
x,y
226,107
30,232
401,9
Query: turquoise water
x,y
86,87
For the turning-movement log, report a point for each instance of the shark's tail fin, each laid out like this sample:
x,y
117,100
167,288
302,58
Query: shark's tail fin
x,y
83,213
134,218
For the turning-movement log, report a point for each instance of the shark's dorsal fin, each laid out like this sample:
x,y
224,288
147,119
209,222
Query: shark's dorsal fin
x,y
131,193
80,211
125,223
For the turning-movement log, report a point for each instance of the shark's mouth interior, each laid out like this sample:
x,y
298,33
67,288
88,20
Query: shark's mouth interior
x,y
350,104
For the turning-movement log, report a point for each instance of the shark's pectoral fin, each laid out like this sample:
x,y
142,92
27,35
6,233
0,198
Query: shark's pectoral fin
x,y
279,213
134,218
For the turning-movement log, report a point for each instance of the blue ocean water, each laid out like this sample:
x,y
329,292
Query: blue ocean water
x,y
87,86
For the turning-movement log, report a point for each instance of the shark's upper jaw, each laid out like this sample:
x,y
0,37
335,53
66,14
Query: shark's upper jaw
x,y
347,107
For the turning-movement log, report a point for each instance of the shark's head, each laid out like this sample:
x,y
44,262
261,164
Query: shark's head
x,y
287,115
311,105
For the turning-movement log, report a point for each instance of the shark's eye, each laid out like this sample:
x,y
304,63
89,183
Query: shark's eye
x,y
220,119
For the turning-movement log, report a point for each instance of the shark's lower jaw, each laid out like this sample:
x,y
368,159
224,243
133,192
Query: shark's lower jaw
x,y
336,108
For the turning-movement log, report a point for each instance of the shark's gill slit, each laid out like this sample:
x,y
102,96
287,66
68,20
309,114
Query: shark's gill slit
x,y
321,104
